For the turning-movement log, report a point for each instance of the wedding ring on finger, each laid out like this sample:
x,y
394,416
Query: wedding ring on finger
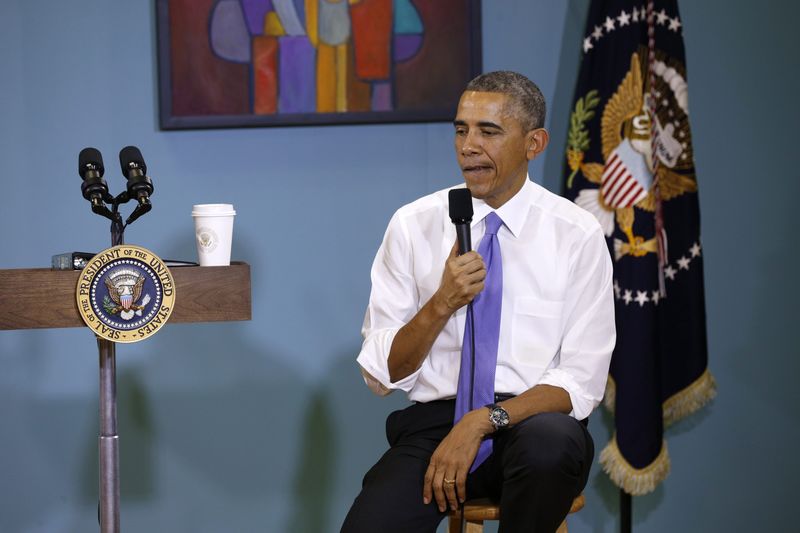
x,y
449,481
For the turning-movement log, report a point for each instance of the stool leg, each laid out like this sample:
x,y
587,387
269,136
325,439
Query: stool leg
x,y
454,525
474,526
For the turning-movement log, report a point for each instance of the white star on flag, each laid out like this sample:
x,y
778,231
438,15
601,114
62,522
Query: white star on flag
x,y
597,33
695,249
628,296
617,290
643,14
587,44
623,18
670,272
656,296
609,24
662,17
674,24
683,263
635,13
641,298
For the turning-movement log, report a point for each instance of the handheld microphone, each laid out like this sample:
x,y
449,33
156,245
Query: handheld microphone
x,y
461,215
140,187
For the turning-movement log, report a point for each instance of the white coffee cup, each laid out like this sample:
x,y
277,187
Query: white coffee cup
x,y
213,230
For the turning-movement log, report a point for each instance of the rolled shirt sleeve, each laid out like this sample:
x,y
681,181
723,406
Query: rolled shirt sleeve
x,y
589,328
393,302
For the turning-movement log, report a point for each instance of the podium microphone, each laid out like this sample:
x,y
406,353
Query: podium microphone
x,y
94,187
461,215
140,187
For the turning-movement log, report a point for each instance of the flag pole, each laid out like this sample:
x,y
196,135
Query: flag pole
x,y
625,508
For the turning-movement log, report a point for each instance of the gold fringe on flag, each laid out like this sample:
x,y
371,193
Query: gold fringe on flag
x,y
634,481
678,406
691,399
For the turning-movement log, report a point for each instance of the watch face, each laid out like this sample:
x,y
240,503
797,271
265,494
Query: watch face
x,y
499,417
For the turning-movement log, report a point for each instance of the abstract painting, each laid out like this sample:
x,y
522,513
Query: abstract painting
x,y
233,63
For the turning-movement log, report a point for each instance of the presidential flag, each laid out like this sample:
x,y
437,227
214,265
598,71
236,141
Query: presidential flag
x,y
630,163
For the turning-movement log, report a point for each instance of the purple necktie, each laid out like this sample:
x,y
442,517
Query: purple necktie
x,y
486,309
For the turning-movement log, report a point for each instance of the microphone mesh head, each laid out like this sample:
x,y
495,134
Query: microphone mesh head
x,y
128,155
460,206
88,158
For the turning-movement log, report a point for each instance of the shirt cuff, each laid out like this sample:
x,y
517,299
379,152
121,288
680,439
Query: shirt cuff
x,y
582,402
373,360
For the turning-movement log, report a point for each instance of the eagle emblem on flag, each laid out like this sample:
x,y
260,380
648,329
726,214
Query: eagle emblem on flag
x,y
625,179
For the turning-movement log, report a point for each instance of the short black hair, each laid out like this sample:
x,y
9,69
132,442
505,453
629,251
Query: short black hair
x,y
527,101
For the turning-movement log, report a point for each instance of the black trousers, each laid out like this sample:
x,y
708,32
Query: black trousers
x,y
535,471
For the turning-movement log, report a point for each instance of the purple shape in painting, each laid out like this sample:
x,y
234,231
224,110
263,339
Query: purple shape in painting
x,y
228,34
254,12
405,46
381,96
296,92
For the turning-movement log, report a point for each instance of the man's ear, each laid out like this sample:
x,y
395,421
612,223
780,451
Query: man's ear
x,y
536,141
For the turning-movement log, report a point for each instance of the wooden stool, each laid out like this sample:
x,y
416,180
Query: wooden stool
x,y
478,510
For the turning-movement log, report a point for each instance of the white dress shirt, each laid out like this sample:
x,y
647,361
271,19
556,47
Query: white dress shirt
x,y
557,318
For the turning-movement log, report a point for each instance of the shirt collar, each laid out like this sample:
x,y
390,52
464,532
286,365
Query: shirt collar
x,y
513,212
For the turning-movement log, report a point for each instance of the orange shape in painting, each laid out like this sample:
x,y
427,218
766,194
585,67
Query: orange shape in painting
x,y
371,22
326,78
312,21
358,92
265,67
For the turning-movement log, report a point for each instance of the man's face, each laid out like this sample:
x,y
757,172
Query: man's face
x,y
492,149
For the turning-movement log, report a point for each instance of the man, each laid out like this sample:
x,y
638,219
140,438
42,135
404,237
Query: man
x,y
553,318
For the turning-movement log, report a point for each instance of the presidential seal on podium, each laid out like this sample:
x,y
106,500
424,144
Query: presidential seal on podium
x,y
125,293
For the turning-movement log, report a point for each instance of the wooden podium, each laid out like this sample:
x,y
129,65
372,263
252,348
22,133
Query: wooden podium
x,y
39,298
35,298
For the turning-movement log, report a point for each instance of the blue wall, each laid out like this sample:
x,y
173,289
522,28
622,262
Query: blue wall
x,y
266,425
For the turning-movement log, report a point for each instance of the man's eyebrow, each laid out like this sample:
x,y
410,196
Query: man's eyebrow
x,y
490,125
485,124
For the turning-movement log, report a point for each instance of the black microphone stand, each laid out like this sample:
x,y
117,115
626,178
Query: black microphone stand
x,y
108,446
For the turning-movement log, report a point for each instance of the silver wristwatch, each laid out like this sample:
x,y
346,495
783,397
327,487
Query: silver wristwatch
x,y
498,416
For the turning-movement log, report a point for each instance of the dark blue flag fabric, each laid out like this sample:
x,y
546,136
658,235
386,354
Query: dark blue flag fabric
x,y
630,163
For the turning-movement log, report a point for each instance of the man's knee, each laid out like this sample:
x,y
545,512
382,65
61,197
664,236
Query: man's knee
x,y
548,446
391,498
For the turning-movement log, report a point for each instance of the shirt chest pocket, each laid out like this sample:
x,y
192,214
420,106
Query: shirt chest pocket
x,y
536,330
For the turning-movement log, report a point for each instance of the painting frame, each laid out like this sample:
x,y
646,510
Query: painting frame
x,y
171,120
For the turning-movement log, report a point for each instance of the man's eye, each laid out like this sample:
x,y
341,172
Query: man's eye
x,y
461,132
489,133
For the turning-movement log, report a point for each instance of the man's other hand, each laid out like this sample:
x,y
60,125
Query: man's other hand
x,y
446,477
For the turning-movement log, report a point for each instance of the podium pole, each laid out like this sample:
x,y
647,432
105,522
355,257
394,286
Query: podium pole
x,y
108,440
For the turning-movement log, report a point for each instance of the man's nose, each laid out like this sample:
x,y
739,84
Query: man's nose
x,y
471,144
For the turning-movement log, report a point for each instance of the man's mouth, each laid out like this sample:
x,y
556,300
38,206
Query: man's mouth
x,y
475,169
